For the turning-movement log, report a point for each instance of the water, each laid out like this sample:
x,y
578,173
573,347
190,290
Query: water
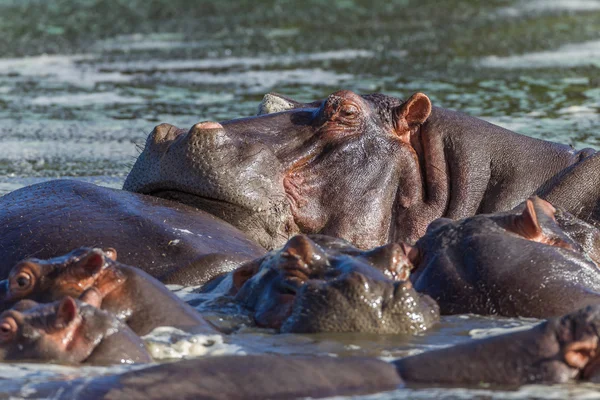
x,y
82,83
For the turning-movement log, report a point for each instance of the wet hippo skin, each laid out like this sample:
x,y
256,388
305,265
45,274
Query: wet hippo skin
x,y
322,284
519,263
370,169
95,277
238,377
556,351
67,331
161,237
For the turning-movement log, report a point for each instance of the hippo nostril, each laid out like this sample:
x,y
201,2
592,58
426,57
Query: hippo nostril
x,y
165,133
207,125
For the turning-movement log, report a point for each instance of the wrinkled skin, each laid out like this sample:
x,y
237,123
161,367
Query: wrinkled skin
x,y
170,241
556,351
94,276
369,169
322,284
519,263
67,331
577,189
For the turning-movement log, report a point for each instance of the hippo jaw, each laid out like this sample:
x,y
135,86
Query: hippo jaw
x,y
238,181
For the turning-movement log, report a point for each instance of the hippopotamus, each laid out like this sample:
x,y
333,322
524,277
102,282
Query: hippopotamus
x,y
322,284
67,331
559,350
556,351
518,263
172,242
95,276
370,169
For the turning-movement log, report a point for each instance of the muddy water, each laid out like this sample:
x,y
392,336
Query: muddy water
x,y
83,82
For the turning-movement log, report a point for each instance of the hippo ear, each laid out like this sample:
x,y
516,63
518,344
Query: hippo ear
x,y
411,113
578,354
110,253
543,206
274,103
243,274
66,312
91,264
526,224
392,260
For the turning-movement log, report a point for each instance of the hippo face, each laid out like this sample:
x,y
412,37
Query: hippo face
x,y
48,332
332,167
49,280
307,287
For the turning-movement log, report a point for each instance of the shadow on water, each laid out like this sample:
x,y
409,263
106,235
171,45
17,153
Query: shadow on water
x,y
83,82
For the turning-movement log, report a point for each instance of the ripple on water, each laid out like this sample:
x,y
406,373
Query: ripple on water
x,y
570,55
525,7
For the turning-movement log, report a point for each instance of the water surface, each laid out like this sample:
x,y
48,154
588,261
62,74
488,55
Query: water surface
x,y
83,82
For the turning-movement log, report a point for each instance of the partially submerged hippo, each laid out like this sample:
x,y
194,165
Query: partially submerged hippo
x,y
322,284
370,169
557,351
170,241
519,263
67,331
129,293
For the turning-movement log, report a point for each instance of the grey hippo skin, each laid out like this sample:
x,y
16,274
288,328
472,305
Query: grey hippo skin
x,y
170,241
519,263
67,331
236,377
321,284
577,189
556,351
96,277
370,169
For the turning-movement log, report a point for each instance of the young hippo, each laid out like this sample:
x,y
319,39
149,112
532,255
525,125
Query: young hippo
x,y
520,263
67,331
319,284
132,295
370,169
556,351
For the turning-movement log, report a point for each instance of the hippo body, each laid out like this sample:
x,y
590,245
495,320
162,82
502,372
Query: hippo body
x,y
97,278
67,331
161,237
556,351
513,264
369,169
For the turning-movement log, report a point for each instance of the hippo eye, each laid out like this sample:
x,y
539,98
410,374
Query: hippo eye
x,y
349,111
23,281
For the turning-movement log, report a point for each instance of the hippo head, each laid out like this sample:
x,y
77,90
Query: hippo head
x,y
320,284
50,280
516,263
332,167
50,332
